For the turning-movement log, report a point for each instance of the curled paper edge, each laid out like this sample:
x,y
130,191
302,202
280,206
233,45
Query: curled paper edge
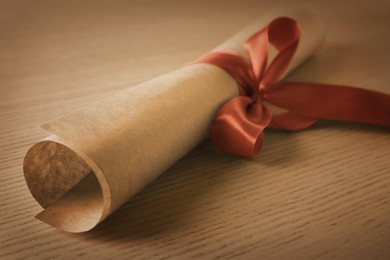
x,y
89,184
99,157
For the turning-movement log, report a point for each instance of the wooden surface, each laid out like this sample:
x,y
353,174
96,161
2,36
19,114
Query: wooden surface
x,y
319,193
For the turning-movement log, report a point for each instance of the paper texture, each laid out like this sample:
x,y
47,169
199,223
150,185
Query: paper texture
x,y
97,158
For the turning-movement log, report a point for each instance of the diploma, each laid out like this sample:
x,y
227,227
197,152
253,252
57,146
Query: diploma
x,y
97,158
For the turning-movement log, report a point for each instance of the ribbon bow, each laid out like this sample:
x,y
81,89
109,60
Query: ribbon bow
x,y
238,126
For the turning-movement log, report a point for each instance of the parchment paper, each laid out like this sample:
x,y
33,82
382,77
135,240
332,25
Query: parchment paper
x,y
97,158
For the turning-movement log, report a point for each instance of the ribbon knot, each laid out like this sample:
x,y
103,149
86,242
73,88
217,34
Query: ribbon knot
x,y
239,124
257,97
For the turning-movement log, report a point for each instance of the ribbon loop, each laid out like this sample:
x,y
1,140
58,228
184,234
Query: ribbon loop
x,y
238,127
284,34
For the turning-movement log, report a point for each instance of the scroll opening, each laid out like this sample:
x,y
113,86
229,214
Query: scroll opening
x,y
65,186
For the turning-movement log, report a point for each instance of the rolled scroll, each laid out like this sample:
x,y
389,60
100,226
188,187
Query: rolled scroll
x,y
97,158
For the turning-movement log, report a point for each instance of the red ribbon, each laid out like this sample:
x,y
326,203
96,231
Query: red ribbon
x,y
238,126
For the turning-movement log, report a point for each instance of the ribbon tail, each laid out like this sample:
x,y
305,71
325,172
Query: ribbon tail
x,y
331,102
291,121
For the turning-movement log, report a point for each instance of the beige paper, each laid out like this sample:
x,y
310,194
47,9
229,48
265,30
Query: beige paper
x,y
97,158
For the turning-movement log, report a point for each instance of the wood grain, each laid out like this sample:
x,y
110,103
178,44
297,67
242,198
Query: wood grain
x,y
320,193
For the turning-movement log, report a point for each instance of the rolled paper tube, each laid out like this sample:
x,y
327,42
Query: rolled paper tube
x,y
97,158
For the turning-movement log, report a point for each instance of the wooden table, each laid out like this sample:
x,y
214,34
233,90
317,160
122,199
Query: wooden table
x,y
319,193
